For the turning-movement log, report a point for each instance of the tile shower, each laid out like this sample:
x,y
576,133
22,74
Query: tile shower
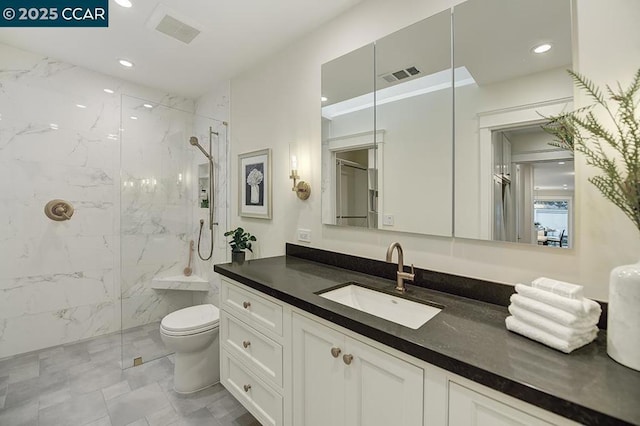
x,y
131,182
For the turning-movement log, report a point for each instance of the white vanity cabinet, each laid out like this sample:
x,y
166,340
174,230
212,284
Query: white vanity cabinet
x,y
252,356
338,380
289,367
467,407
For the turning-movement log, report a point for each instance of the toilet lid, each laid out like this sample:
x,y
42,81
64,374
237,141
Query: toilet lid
x,y
191,318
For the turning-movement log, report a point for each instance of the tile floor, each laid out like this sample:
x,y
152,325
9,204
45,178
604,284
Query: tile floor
x,y
83,384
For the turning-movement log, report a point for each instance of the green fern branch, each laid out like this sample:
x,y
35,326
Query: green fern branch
x,y
582,131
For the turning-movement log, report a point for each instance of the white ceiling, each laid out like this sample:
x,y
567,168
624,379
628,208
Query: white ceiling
x,y
235,35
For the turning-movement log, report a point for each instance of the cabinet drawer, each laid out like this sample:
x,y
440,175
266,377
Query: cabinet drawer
x,y
467,407
257,311
263,402
262,354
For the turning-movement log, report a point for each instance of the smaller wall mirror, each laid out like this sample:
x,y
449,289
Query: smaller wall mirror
x,y
349,155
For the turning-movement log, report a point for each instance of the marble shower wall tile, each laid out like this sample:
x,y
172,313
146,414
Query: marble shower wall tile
x,y
215,104
62,281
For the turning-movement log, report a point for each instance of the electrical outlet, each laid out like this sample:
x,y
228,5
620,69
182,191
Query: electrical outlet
x,y
387,219
304,235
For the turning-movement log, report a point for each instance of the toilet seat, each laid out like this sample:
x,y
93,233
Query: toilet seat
x,y
191,320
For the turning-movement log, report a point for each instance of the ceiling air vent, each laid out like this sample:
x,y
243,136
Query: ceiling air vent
x,y
394,76
177,29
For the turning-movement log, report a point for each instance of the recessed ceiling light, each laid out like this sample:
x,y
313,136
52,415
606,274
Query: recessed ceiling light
x,y
560,162
124,3
133,117
109,91
125,63
542,48
324,99
53,126
81,106
148,106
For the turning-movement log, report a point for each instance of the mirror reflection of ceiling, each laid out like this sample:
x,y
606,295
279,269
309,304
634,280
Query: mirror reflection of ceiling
x,y
524,25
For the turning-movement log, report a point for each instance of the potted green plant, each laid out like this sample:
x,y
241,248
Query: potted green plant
x,y
240,242
613,146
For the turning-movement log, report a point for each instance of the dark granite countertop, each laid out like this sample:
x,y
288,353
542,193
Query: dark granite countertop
x,y
468,338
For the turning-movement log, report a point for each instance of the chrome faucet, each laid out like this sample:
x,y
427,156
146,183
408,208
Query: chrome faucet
x,y
401,274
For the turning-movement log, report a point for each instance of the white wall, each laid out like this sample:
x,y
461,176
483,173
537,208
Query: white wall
x,y
277,103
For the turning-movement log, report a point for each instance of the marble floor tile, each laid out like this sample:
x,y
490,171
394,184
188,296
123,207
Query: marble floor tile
x,y
140,422
10,363
79,410
224,406
240,417
27,371
34,389
149,372
83,384
63,360
187,404
201,417
20,415
103,421
100,376
54,398
137,404
116,390
165,417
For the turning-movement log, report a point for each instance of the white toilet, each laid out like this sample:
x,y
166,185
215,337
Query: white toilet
x,y
192,333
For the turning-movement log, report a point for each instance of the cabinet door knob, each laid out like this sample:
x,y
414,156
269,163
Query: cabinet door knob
x,y
246,304
246,344
347,358
335,352
246,388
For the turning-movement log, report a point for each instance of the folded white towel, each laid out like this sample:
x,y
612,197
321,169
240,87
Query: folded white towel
x,y
581,307
558,330
533,333
561,288
555,314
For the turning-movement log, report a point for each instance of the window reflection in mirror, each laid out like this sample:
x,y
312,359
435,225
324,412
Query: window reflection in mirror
x,y
505,166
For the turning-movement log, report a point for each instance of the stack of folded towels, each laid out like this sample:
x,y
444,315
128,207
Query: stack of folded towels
x,y
554,313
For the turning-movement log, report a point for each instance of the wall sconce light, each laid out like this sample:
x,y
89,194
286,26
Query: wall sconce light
x,y
302,188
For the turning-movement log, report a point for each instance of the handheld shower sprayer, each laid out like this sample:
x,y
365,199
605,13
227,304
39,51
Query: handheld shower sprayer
x,y
193,140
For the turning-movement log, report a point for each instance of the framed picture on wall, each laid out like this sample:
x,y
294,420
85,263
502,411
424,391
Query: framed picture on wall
x,y
254,192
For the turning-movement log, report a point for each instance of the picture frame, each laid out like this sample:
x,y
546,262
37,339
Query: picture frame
x,y
254,184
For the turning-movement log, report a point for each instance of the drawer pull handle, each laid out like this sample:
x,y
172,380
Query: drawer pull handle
x,y
246,388
347,358
246,305
246,344
335,352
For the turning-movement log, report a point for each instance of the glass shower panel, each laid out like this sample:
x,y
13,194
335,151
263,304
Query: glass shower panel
x,y
158,198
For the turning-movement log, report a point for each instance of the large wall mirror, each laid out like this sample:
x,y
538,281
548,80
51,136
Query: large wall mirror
x,y
388,126
510,183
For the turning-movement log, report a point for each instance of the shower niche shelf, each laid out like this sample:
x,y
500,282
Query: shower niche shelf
x,y
203,185
180,282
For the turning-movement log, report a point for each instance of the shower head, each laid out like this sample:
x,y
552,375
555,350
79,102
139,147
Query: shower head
x,y
194,141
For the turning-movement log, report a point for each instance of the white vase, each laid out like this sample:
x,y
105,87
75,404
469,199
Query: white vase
x,y
623,323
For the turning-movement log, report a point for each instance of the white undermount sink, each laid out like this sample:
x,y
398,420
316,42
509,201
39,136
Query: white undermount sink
x,y
396,309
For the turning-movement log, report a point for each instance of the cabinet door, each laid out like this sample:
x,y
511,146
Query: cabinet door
x,y
467,407
381,389
318,375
